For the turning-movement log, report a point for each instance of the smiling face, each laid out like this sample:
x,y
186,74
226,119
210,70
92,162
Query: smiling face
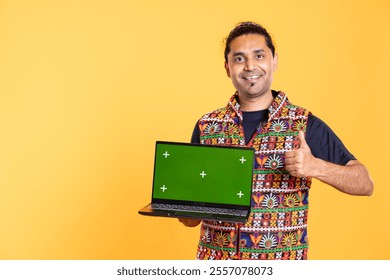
x,y
250,65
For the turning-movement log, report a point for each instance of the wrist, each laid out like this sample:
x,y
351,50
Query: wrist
x,y
319,168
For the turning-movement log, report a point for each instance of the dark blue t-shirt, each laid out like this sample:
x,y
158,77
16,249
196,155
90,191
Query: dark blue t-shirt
x,y
323,142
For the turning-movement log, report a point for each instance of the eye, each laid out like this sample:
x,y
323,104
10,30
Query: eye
x,y
260,56
238,59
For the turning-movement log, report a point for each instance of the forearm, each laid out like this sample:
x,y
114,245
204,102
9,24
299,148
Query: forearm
x,y
352,178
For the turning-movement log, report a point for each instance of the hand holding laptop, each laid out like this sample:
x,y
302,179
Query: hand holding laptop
x,y
189,222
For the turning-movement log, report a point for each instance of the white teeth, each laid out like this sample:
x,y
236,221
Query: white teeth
x,y
252,77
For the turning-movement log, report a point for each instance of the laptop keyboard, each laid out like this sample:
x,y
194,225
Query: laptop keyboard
x,y
199,209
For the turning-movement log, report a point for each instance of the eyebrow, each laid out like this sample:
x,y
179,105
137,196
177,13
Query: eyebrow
x,y
255,51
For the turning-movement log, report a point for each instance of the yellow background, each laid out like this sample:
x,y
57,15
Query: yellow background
x,y
87,87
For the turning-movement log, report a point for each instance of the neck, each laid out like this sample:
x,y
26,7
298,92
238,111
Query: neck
x,y
262,102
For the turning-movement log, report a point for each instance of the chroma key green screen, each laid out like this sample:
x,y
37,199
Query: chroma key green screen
x,y
203,173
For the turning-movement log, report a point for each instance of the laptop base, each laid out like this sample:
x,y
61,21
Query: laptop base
x,y
150,211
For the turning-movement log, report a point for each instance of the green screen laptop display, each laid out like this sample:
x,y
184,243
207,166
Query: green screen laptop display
x,y
203,173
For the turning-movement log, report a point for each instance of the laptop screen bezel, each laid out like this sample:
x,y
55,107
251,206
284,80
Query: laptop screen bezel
x,y
201,203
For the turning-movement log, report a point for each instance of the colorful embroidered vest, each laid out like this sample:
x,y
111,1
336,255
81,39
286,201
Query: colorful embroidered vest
x,y
277,225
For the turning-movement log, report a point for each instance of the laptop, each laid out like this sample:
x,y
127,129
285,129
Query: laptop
x,y
204,182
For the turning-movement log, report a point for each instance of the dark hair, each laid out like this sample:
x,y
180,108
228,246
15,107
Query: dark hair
x,y
248,27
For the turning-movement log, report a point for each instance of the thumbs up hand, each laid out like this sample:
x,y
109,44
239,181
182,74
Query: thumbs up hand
x,y
301,162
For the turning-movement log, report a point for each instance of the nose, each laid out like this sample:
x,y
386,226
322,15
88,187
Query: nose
x,y
249,65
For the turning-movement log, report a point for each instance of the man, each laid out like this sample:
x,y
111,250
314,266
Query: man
x,y
292,146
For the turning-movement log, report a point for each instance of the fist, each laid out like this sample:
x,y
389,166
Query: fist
x,y
301,162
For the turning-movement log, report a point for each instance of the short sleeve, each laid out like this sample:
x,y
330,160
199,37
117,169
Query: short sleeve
x,y
324,143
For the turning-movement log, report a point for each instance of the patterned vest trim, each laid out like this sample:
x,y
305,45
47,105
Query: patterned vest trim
x,y
277,224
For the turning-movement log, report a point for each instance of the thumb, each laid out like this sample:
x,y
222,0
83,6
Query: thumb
x,y
302,140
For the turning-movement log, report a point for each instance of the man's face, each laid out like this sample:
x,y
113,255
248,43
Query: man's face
x,y
251,65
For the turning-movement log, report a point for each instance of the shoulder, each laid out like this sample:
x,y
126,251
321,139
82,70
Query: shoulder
x,y
316,127
298,110
213,114
282,106
316,123
208,117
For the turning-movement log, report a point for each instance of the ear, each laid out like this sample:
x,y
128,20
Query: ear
x,y
275,62
227,69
